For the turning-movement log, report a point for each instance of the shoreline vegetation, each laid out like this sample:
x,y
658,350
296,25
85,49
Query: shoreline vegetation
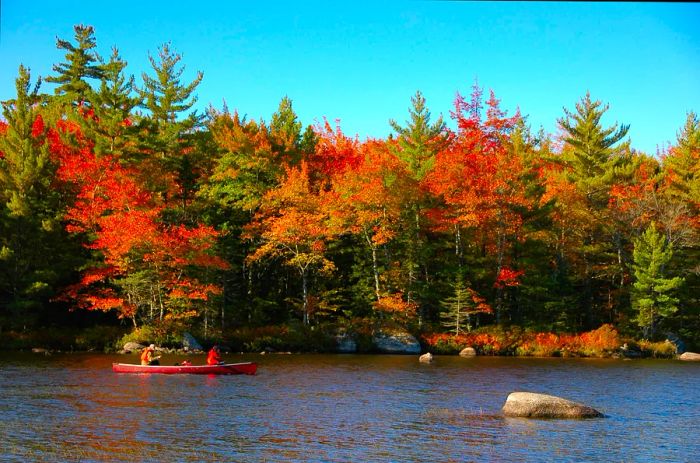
x,y
125,215
604,342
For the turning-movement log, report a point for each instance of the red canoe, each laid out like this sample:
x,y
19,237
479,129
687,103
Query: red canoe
x,y
247,368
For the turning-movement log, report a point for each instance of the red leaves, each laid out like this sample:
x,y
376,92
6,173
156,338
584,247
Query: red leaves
x,y
335,153
38,126
508,277
123,222
480,304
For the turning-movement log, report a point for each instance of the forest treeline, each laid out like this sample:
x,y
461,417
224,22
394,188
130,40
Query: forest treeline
x,y
117,197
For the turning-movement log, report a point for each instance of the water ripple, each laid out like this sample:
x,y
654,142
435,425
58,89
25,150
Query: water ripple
x,y
310,408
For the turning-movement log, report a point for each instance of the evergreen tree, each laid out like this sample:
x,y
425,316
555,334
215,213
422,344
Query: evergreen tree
x,y
285,130
82,63
30,214
680,194
113,104
170,137
653,292
416,146
164,96
595,161
420,139
456,309
682,164
595,156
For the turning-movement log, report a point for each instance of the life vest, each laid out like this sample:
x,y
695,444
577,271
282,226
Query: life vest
x,y
146,356
213,357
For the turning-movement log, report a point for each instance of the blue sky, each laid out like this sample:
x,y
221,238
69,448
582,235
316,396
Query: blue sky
x,y
360,62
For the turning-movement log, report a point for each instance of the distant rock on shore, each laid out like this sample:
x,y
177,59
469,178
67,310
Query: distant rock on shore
x,y
189,343
396,343
532,405
691,356
131,347
345,343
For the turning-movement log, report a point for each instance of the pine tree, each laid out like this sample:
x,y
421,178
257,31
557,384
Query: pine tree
x,y
420,139
170,137
113,104
164,96
653,292
595,156
30,214
680,194
81,64
682,164
416,146
595,161
456,315
285,131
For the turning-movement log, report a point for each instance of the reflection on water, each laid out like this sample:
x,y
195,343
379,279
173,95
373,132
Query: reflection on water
x,y
344,408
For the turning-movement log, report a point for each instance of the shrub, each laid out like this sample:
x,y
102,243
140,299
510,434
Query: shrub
x,y
664,349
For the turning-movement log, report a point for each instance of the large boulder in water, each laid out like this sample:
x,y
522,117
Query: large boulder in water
x,y
532,405
426,358
190,343
468,352
396,343
690,356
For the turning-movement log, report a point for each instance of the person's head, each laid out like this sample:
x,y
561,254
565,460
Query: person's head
x,y
152,347
216,348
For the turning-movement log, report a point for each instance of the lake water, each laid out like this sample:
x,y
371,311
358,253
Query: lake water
x,y
344,408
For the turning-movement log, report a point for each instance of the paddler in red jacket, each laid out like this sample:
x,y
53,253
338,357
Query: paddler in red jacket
x,y
214,357
147,356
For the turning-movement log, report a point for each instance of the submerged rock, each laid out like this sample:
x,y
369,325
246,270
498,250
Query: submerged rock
x,y
690,356
532,405
468,352
426,358
396,343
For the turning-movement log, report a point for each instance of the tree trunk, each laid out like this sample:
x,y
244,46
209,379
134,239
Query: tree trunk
x,y
375,265
304,280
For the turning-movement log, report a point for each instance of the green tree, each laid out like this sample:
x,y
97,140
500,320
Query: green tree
x,y
594,161
653,292
285,131
170,137
680,196
82,63
595,157
416,146
682,166
30,214
113,103
457,308
420,139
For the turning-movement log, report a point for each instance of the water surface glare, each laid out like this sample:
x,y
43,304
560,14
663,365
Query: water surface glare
x,y
344,408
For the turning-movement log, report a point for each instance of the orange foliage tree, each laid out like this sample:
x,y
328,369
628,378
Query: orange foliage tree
x,y
368,204
141,264
293,224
